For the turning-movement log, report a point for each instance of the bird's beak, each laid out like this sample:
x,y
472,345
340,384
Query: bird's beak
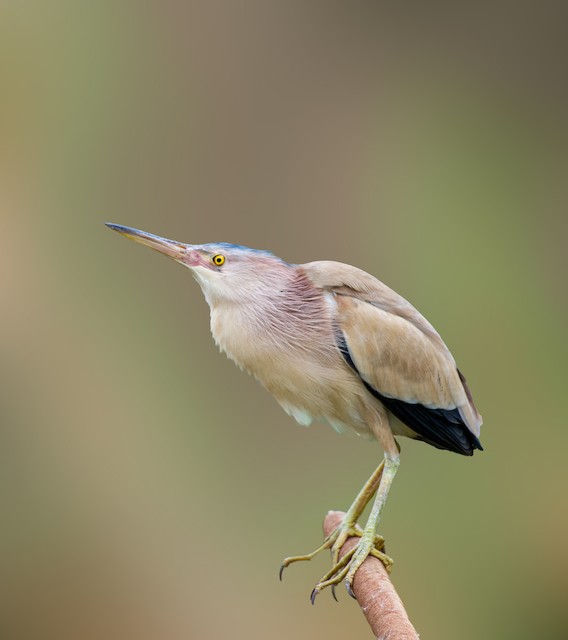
x,y
175,250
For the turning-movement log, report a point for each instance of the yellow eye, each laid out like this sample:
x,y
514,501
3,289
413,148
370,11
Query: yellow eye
x,y
218,260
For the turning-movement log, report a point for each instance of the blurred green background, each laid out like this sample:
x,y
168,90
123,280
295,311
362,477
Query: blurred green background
x,y
149,489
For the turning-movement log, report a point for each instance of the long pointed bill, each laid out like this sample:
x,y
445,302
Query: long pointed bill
x,y
170,248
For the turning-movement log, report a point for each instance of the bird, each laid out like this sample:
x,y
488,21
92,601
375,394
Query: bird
x,y
333,343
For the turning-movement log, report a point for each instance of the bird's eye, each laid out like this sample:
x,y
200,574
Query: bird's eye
x,y
218,260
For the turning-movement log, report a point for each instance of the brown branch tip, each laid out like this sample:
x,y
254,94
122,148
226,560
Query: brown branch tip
x,y
375,593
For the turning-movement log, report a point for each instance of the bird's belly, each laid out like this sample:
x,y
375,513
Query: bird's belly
x,y
308,377
316,392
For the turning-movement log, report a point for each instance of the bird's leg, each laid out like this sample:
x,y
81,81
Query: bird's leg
x,y
348,527
366,545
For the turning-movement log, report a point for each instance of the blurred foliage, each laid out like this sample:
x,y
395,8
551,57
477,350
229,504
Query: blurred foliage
x,y
149,488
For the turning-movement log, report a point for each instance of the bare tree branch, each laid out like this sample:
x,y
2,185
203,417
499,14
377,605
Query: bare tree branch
x,y
375,593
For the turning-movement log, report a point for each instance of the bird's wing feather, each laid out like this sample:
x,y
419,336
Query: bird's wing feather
x,y
350,281
393,347
396,358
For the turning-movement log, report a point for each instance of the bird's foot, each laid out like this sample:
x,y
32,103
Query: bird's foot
x,y
335,542
346,568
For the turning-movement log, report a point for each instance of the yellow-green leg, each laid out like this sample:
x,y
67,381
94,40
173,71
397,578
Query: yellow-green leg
x,y
348,527
366,545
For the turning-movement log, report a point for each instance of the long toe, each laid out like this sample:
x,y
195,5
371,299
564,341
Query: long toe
x,y
364,549
335,542
327,543
348,565
362,552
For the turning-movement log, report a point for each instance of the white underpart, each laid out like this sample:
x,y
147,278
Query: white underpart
x,y
337,426
300,415
304,418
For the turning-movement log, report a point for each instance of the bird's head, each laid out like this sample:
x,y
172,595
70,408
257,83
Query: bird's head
x,y
224,271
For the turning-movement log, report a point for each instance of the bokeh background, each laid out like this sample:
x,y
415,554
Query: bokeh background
x,y
149,489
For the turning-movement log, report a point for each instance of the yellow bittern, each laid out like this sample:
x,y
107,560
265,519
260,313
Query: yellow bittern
x,y
333,343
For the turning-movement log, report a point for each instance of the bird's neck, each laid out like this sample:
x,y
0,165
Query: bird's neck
x,y
280,315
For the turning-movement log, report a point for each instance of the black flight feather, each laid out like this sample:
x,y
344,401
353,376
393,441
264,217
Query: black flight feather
x,y
441,428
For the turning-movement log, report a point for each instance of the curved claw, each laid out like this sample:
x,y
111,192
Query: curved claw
x,y
329,583
334,576
350,589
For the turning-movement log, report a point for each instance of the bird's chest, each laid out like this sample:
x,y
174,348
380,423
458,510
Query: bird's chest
x,y
239,335
279,347
257,341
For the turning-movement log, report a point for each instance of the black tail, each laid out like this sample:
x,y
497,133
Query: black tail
x,y
442,428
